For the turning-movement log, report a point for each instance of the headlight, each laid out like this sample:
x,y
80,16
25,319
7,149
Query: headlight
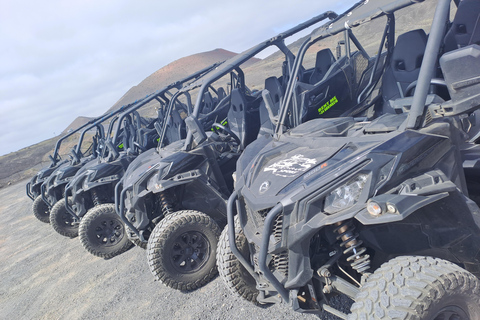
x,y
87,176
154,182
346,195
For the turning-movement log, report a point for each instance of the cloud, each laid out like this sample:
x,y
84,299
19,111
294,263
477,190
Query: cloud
x,y
64,59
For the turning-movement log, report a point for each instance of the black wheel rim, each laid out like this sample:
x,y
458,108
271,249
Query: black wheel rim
x,y
67,220
44,210
190,252
108,232
451,313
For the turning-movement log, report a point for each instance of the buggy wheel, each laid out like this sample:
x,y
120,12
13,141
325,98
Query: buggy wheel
x,y
233,273
418,288
62,221
181,250
40,210
102,232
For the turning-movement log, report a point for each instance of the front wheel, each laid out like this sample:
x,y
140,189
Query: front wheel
x,y
40,210
418,288
62,221
233,273
181,250
102,232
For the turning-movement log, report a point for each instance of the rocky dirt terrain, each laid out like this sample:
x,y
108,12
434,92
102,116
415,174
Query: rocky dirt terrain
x,y
47,276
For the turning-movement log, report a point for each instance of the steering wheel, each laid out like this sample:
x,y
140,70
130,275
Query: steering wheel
x,y
217,126
434,81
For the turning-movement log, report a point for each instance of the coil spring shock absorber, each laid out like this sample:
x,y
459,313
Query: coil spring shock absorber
x,y
359,261
165,204
95,198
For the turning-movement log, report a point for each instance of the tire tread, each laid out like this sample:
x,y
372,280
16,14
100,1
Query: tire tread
x,y
156,248
412,284
229,266
86,221
60,229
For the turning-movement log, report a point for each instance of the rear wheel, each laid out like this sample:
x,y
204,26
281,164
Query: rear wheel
x,y
40,210
181,250
62,221
102,232
418,288
233,273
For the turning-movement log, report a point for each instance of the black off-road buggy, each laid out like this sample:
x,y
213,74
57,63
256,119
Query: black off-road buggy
x,y
175,197
40,208
91,192
380,210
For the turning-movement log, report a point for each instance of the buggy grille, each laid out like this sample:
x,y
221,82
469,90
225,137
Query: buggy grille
x,y
277,228
428,117
257,217
280,262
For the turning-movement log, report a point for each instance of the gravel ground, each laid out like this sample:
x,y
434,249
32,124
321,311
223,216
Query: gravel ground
x,y
47,276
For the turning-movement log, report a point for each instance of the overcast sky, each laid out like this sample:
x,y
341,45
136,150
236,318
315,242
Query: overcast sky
x,y
63,59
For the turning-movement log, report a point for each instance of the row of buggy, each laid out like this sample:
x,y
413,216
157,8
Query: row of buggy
x,y
354,173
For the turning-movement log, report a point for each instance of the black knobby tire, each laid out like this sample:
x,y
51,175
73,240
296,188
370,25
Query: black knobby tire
x,y
181,250
40,210
102,232
418,288
233,273
62,221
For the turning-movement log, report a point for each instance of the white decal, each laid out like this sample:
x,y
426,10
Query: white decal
x,y
290,167
264,187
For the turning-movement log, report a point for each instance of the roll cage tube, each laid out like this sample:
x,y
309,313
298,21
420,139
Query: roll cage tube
x,y
108,139
230,64
55,158
100,133
389,37
348,36
167,114
90,125
296,69
435,40
98,123
161,93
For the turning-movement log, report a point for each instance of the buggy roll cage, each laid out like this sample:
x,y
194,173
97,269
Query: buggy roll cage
x,y
342,23
359,14
76,153
162,96
236,61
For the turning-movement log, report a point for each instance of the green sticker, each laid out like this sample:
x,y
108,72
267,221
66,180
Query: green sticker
x,y
120,146
223,123
328,105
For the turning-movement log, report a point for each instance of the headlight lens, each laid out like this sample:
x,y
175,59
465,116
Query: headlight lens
x,y
154,181
346,195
